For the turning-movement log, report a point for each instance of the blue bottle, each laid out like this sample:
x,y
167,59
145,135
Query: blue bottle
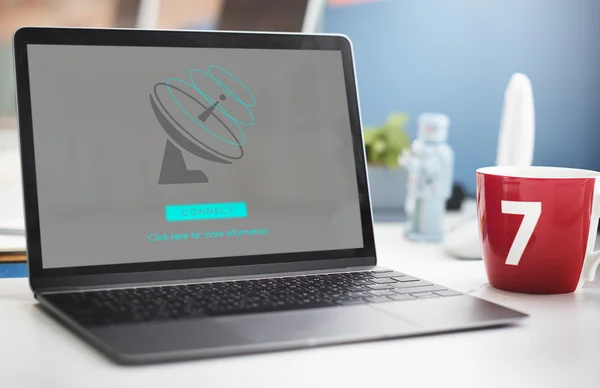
x,y
430,164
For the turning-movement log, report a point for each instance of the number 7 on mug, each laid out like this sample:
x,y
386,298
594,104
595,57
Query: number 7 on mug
x,y
531,212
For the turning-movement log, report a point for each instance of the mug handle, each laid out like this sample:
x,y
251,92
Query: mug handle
x,y
592,258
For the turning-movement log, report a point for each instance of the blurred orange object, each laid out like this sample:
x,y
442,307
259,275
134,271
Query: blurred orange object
x,y
76,13
11,258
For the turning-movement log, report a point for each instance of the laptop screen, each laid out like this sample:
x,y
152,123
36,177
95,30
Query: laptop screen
x,y
147,154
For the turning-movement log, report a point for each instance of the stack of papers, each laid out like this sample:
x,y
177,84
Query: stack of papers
x,y
12,225
12,235
12,244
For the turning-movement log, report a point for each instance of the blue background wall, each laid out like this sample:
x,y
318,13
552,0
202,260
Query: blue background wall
x,y
457,57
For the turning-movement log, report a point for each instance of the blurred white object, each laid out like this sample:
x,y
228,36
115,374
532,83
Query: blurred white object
x,y
515,148
517,126
12,244
314,17
147,14
12,224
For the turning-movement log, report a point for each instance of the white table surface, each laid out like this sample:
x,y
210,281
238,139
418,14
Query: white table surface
x,y
558,346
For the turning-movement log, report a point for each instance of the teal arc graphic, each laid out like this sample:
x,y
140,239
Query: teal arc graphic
x,y
231,95
227,91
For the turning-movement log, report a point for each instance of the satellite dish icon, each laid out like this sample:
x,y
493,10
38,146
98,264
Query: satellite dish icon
x,y
205,115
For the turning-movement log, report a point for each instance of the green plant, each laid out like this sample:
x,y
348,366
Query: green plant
x,y
385,143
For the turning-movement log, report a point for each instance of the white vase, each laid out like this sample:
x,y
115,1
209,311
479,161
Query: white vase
x,y
387,188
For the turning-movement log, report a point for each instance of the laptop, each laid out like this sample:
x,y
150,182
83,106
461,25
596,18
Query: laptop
x,y
201,194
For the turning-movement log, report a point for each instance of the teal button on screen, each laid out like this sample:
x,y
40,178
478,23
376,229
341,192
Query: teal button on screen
x,y
205,211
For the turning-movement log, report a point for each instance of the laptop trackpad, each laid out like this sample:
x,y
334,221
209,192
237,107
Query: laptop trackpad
x,y
161,337
319,325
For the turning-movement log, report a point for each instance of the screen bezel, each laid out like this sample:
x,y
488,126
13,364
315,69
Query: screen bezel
x,y
195,39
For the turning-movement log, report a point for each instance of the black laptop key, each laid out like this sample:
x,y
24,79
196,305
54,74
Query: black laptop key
x,y
356,289
357,275
358,294
361,282
163,303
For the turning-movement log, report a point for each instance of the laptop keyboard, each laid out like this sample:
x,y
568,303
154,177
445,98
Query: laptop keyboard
x,y
162,303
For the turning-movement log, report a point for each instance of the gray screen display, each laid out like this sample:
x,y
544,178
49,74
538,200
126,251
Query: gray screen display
x,y
148,154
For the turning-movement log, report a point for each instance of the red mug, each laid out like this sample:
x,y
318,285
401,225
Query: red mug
x,y
538,227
